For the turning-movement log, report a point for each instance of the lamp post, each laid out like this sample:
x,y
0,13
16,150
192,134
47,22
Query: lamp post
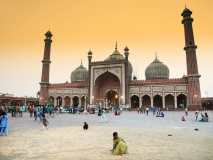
x,y
25,101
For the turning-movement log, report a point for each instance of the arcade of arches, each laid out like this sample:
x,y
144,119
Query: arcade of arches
x,y
67,101
158,101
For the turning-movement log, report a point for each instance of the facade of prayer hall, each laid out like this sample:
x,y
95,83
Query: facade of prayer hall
x,y
110,82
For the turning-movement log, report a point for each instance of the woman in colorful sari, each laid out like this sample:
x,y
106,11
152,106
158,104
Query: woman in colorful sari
x,y
119,145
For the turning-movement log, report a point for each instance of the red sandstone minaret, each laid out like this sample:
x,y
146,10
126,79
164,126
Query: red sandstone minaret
x,y
194,96
45,69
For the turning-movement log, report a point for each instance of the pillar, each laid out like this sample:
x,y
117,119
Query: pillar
x,y
163,99
139,102
151,102
85,103
63,102
55,102
175,99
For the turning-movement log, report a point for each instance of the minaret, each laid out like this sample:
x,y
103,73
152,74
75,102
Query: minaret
x,y
194,96
126,53
89,77
45,69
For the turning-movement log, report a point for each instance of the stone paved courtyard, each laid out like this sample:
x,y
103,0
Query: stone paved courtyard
x,y
146,136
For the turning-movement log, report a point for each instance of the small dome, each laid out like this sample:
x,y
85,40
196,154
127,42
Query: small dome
x,y
117,56
157,70
186,10
80,74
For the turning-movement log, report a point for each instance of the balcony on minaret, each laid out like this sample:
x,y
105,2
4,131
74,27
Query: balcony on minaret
x,y
48,35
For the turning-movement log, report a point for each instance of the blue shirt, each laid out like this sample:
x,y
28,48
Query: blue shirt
x,y
48,109
4,121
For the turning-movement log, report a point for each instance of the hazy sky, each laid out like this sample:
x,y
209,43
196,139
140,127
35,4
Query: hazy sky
x,y
77,26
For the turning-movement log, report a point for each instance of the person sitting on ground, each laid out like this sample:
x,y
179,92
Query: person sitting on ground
x,y
199,118
183,119
85,126
162,114
206,115
119,145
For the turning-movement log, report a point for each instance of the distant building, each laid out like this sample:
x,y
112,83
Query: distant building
x,y
110,83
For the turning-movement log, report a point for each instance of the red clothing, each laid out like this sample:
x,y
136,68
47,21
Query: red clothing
x,y
31,109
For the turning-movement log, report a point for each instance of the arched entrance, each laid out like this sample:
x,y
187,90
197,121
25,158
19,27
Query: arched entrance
x,y
157,101
169,101
112,98
105,82
59,101
146,101
134,101
181,101
50,101
67,101
75,101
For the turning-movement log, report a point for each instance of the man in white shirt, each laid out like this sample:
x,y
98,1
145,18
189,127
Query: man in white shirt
x,y
186,110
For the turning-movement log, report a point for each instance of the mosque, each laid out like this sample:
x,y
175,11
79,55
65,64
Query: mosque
x,y
110,82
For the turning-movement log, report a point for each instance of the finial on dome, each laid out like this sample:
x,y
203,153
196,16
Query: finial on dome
x,y
81,61
156,56
185,6
116,46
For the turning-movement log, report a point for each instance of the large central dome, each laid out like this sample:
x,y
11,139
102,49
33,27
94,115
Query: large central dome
x,y
117,56
157,70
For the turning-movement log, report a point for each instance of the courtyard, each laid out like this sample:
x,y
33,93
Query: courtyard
x,y
146,137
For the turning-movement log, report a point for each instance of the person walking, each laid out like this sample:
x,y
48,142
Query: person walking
x,y
36,113
4,124
21,109
103,115
186,111
138,109
45,123
144,110
40,113
31,111
121,109
154,108
56,110
17,111
147,110
51,108
48,111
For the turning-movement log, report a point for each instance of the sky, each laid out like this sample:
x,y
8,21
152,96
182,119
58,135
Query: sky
x,y
77,26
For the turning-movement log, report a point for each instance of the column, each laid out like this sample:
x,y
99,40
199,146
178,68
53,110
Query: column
x,y
79,102
163,102
85,102
55,102
139,102
130,103
63,102
152,102
175,102
71,101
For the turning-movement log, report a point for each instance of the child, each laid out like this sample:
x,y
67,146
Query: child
x,y
4,124
85,126
45,122
119,145
183,119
